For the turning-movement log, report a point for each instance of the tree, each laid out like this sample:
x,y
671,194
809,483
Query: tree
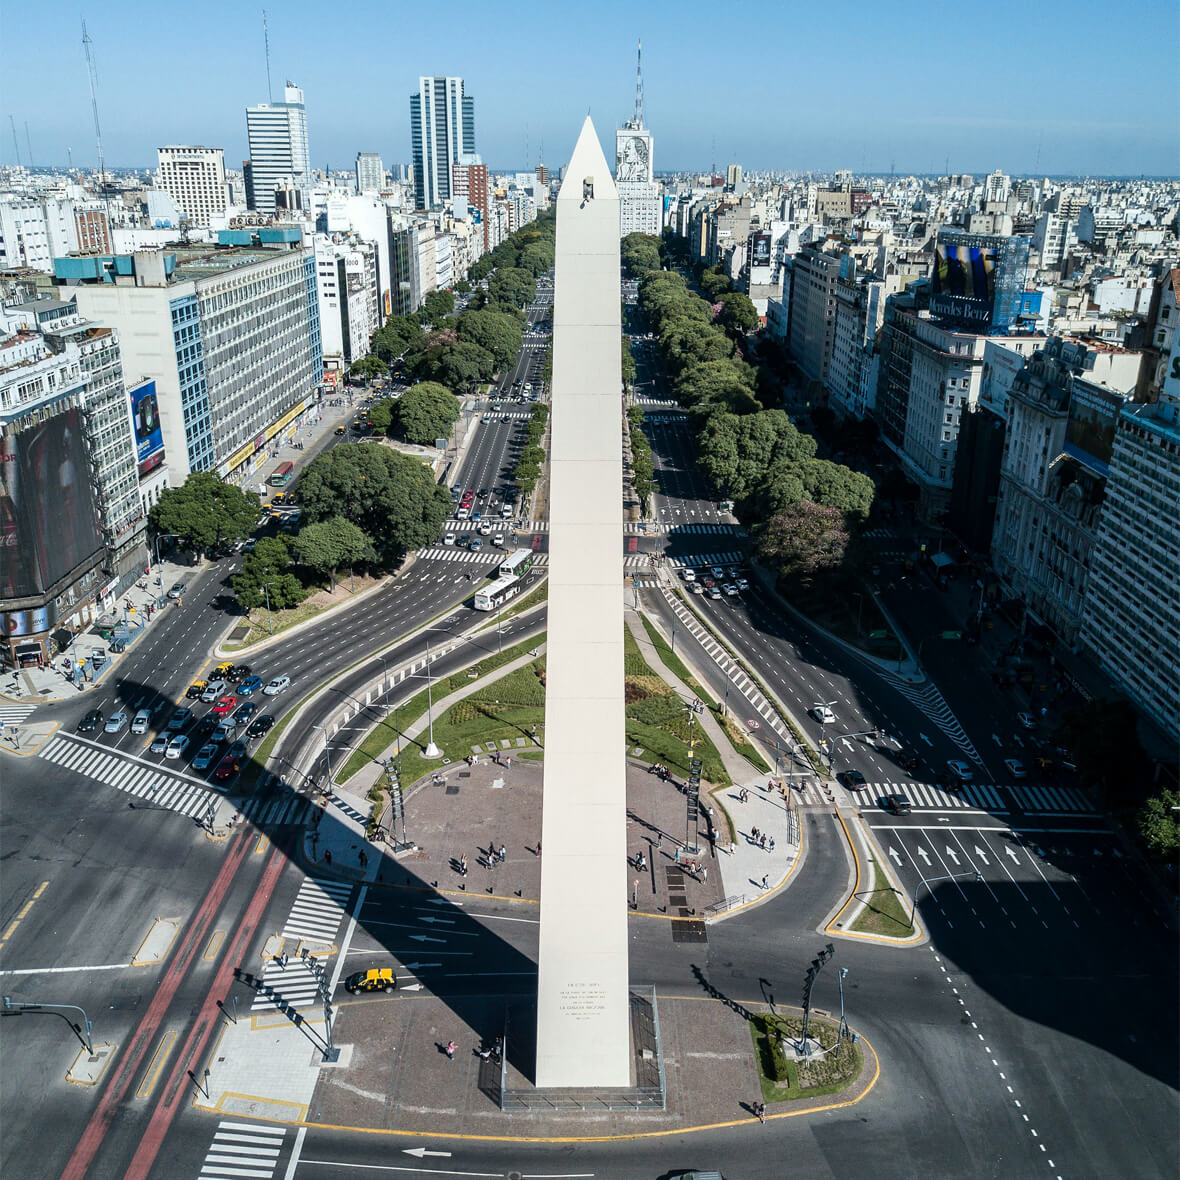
x,y
368,367
391,496
425,412
436,306
536,258
718,383
714,282
1103,736
1159,823
804,540
328,544
512,285
628,363
462,287
395,336
204,511
838,486
640,253
266,578
737,315
381,415
464,363
499,334
691,342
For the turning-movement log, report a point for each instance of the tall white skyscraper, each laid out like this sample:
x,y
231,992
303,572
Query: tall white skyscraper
x,y
277,132
195,179
370,172
442,133
640,207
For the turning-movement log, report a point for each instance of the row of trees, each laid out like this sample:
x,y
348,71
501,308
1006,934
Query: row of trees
x,y
642,467
532,454
802,510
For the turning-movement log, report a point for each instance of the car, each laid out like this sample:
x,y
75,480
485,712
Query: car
x,y
688,575
448,538
375,979
1027,720
141,721
195,689
180,719
1015,767
498,540
245,713
176,590
707,582
116,722
696,588
226,728
730,589
463,513
224,706
238,750
90,722
250,685
160,743
339,430
486,419
743,584
852,779
260,726
238,673
718,573
475,544
823,714
960,771
206,725
714,592
477,515
276,686
485,529
203,758
213,690
897,804
227,768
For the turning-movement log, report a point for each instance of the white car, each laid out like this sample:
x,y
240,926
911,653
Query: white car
x,y
214,690
141,722
177,746
498,540
1015,767
485,529
448,538
730,589
822,714
277,685
688,575
696,588
714,592
960,770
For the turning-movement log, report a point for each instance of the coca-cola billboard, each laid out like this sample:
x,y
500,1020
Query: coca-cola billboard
x,y
48,522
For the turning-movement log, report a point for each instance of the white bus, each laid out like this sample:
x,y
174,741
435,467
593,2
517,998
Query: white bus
x,y
499,592
517,564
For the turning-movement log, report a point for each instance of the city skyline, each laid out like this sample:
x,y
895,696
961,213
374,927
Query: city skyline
x,y
858,102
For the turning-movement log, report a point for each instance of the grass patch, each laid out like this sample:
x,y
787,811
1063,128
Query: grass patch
x,y
737,735
828,1074
281,620
383,735
883,911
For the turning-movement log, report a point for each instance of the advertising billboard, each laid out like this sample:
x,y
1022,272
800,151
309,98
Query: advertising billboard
x,y
48,522
145,419
978,279
1090,429
761,250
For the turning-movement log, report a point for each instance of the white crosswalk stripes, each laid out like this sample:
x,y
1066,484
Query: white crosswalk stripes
x,y
985,797
459,556
315,917
14,714
243,1149
929,701
169,790
729,530
697,560
271,813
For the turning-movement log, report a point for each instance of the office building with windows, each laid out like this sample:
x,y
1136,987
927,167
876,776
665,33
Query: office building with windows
x,y
370,172
442,134
195,179
279,155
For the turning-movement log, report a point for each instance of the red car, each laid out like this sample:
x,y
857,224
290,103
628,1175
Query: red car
x,y
224,706
226,768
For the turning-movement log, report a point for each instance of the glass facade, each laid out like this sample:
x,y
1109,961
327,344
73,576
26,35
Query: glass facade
x,y
194,391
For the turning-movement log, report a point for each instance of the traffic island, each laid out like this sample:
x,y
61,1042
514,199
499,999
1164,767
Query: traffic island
x,y
791,1070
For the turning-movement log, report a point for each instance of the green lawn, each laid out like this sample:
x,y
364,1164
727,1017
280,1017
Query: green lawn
x,y
825,1075
883,912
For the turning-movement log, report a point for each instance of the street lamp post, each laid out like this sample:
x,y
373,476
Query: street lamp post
x,y
934,881
860,602
164,537
327,752
266,594
842,1031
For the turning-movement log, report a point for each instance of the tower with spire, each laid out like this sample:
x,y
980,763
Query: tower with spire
x,y
640,203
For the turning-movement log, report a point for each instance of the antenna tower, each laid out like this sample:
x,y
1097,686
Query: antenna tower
x,y
28,144
638,122
86,43
15,142
266,42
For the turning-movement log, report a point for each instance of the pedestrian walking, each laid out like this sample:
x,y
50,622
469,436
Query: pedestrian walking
x,y
450,1050
765,881
463,864
759,1109
503,853
704,874
754,835
770,844
362,858
762,840
508,761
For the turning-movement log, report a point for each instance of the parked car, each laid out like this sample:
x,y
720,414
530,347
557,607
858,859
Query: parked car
x,y
203,758
116,722
90,722
141,721
277,685
250,685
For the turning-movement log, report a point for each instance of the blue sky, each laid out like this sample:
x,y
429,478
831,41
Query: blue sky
x,y
1055,86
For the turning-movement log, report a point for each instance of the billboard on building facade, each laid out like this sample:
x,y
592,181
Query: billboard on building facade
x,y
760,255
1090,429
978,279
48,521
145,419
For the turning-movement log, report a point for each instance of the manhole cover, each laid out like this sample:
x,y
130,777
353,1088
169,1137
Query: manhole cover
x,y
452,788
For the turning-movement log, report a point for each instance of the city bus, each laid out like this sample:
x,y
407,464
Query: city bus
x,y
281,475
498,593
517,564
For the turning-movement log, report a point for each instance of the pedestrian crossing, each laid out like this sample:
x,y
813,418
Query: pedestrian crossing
x,y
315,916
274,813
697,560
458,556
166,789
888,534
931,703
986,797
15,714
243,1149
724,530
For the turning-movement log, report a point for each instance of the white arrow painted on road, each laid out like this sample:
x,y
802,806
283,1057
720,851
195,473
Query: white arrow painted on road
x,y
422,1151
995,738
412,987
1012,853
444,921
894,855
419,966
444,901
925,739
952,854
425,938
922,854
981,854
